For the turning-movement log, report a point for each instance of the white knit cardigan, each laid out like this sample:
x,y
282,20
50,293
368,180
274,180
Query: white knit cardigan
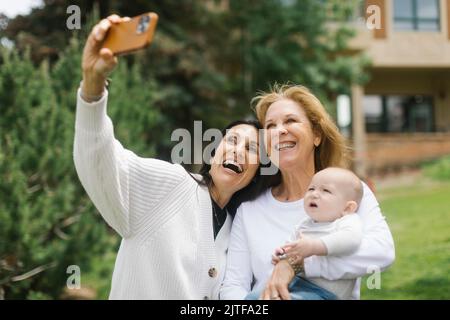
x,y
163,215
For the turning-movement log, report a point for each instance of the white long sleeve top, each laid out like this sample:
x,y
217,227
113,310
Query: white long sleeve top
x,y
163,215
263,224
341,237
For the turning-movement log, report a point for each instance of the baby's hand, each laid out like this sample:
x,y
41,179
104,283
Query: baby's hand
x,y
305,247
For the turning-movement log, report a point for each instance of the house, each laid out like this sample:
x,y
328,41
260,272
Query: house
x,y
401,117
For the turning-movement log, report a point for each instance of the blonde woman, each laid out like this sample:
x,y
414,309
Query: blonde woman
x,y
301,139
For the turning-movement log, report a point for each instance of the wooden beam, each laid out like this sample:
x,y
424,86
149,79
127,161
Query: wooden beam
x,y
447,4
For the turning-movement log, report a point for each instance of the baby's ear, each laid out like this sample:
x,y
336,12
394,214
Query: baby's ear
x,y
351,207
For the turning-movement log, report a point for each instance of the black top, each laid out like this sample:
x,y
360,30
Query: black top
x,y
219,216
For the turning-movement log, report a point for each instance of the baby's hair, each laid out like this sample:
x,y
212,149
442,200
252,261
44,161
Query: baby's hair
x,y
354,188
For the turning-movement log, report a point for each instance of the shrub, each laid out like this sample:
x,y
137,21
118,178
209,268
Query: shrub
x,y
439,169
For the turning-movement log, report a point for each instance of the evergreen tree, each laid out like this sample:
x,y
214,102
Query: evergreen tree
x,y
211,57
47,223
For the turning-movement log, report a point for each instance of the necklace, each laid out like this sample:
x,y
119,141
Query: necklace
x,y
217,224
215,214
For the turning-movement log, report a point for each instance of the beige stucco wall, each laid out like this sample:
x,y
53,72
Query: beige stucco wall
x,y
407,63
405,48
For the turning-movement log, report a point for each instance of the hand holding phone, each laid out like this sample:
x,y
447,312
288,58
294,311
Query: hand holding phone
x,y
111,37
131,35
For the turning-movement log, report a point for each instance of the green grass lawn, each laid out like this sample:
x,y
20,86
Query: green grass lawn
x,y
419,218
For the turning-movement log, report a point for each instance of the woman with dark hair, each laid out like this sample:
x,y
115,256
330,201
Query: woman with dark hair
x,y
257,185
174,225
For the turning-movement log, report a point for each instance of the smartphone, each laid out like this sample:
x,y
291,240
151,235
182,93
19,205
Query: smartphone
x,y
129,36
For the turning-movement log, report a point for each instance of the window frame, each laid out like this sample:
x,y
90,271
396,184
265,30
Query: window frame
x,y
382,124
415,19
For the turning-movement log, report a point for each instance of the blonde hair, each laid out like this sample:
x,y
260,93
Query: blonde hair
x,y
332,150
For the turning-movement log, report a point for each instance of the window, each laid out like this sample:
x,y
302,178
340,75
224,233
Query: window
x,y
420,15
399,113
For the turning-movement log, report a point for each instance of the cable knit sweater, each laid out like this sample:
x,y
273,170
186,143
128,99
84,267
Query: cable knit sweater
x,y
162,214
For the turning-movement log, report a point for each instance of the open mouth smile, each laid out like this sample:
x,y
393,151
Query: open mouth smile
x,y
233,165
284,146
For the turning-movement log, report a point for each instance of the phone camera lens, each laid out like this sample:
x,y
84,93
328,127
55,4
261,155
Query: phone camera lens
x,y
143,24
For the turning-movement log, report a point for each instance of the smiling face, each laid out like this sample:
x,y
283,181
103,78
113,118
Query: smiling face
x,y
332,193
236,160
289,137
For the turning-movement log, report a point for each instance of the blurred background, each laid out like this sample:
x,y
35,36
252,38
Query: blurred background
x,y
381,67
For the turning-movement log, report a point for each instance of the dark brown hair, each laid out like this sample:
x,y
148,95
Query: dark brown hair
x,y
250,192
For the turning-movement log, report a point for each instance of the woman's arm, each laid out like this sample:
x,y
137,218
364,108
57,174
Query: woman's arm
x,y
376,251
238,275
123,186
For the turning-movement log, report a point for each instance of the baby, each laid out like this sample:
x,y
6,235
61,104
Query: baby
x,y
331,228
